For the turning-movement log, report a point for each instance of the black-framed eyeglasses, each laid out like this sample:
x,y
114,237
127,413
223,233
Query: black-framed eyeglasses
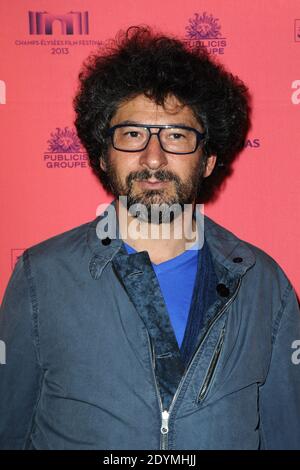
x,y
180,140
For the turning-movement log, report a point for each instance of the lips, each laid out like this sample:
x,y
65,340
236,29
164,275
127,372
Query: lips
x,y
153,183
151,180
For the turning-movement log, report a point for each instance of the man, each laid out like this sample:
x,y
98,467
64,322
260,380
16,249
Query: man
x,y
119,337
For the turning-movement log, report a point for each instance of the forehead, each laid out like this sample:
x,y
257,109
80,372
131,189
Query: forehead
x,y
143,110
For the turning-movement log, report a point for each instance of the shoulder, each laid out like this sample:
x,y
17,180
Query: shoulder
x,y
263,263
68,245
265,287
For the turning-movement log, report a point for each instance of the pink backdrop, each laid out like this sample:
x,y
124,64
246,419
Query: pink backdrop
x,y
46,185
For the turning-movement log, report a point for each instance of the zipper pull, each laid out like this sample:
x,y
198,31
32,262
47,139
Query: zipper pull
x,y
164,425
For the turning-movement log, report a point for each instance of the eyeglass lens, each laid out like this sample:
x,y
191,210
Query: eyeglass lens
x,y
172,139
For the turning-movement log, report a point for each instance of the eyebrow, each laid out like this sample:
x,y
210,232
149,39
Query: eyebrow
x,y
176,124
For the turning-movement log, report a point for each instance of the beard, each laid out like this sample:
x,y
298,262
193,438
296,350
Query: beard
x,y
161,205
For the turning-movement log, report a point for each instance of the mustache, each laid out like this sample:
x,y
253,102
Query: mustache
x,y
160,175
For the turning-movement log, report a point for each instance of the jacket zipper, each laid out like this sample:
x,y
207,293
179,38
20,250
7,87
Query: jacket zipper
x,y
165,414
212,366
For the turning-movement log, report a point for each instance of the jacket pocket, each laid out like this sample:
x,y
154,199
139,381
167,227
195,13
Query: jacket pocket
x,y
211,369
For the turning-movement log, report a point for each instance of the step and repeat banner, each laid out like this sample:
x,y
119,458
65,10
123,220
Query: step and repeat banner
x,y
46,184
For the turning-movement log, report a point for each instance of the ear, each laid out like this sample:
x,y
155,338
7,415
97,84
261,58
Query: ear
x,y
102,164
210,164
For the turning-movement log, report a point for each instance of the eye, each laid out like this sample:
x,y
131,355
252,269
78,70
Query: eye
x,y
177,136
132,134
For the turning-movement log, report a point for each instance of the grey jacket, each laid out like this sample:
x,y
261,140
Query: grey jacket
x,y
92,360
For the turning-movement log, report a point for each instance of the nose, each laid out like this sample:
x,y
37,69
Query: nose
x,y
153,156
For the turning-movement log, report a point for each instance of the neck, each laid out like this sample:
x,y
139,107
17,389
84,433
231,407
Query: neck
x,y
162,241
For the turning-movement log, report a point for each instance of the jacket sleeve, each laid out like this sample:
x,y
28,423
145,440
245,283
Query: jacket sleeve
x,y
20,373
279,401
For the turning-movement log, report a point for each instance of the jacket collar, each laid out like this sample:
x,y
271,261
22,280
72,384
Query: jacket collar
x,y
227,250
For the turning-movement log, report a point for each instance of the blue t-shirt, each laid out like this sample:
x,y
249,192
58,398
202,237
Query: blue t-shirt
x,y
176,278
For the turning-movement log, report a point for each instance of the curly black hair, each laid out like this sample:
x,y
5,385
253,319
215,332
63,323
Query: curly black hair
x,y
139,61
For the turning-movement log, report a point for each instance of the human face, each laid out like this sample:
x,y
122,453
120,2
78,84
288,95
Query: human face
x,y
152,176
